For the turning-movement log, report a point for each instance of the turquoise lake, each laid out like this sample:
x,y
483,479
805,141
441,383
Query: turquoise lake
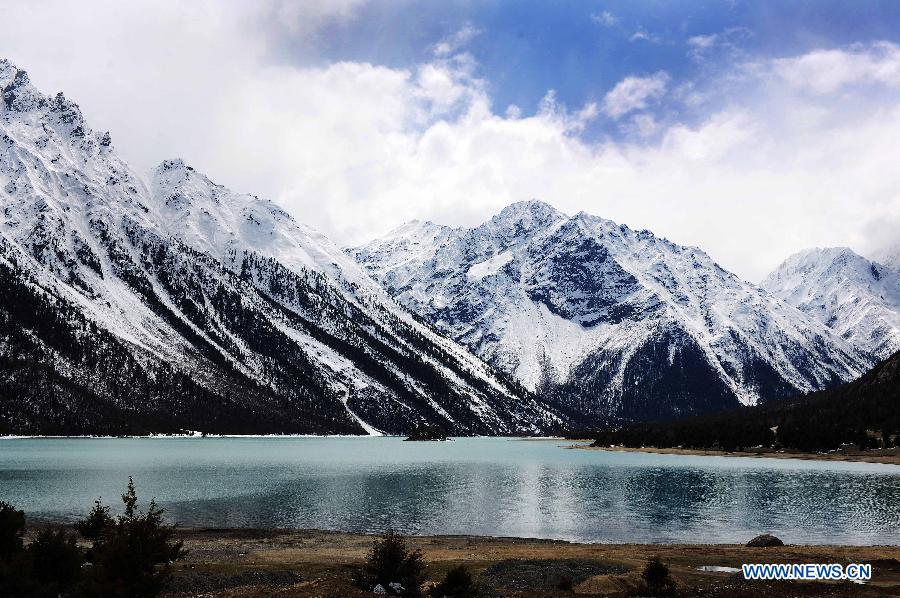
x,y
479,486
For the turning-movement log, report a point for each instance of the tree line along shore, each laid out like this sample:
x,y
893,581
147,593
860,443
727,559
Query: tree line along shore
x,y
859,420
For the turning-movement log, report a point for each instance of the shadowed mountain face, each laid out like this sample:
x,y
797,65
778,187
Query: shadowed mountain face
x,y
606,321
128,306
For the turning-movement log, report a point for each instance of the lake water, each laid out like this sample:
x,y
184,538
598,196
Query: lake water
x,y
481,486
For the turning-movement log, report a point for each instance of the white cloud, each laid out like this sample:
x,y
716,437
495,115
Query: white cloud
x,y
306,17
642,35
634,93
728,40
643,125
570,122
456,41
355,149
702,42
605,18
826,71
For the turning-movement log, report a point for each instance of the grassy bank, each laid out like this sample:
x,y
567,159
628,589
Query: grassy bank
x,y
316,563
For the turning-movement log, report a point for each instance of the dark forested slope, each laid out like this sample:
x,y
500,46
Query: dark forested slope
x,y
864,412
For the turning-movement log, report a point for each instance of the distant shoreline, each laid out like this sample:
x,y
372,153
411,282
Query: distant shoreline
x,y
761,454
184,436
199,435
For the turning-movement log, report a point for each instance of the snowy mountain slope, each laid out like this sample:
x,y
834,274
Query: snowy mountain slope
x,y
248,231
184,305
220,222
857,298
606,320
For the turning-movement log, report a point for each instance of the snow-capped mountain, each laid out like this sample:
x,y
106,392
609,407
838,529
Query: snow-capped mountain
x,y
857,298
178,304
605,320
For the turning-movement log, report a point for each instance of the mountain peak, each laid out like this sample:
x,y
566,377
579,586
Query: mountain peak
x,y
8,72
68,114
827,266
580,306
19,95
824,260
176,167
535,208
172,164
175,172
831,253
521,219
852,295
415,227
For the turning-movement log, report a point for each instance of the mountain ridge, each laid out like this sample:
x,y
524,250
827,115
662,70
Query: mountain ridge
x,y
856,297
584,308
179,304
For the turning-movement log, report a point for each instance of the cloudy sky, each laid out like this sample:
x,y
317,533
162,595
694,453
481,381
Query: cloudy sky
x,y
750,129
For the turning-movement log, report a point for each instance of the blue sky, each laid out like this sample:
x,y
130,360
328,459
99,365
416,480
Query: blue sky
x,y
750,129
582,49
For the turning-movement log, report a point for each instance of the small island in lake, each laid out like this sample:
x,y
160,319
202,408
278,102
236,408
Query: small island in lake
x,y
425,432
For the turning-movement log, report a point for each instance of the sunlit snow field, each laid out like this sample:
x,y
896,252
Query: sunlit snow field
x,y
481,486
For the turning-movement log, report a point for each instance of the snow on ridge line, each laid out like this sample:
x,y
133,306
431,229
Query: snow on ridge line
x,y
112,239
173,174
855,297
606,280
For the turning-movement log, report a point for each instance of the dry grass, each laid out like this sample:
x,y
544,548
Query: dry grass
x,y
326,561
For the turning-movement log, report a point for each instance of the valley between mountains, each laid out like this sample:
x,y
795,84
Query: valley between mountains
x,y
134,304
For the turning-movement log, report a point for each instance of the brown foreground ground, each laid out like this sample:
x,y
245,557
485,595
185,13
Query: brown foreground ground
x,y
261,563
887,456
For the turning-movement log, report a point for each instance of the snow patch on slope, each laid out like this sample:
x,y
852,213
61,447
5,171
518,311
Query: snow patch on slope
x,y
489,266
